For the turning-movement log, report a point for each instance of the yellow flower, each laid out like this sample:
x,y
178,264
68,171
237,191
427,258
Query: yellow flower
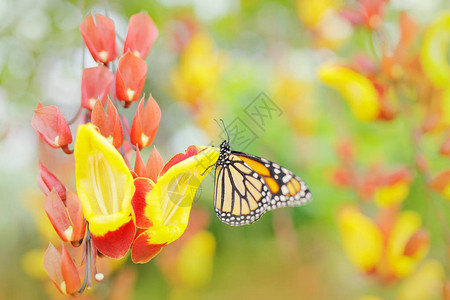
x,y
435,46
105,188
356,89
163,209
361,238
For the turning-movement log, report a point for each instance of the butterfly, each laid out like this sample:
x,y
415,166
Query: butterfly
x,y
246,186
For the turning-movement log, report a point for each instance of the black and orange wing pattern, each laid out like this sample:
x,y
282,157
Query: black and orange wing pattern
x,y
246,186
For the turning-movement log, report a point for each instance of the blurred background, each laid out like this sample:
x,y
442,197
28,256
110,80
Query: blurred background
x,y
353,96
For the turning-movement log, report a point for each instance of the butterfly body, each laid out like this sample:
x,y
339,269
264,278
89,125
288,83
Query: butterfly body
x,y
246,186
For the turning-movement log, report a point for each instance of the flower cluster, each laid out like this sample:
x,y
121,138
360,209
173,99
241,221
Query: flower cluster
x,y
114,209
395,83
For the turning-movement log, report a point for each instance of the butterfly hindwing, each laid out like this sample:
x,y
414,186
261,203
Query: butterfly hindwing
x,y
286,188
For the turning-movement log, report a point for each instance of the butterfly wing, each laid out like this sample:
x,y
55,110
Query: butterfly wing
x,y
248,186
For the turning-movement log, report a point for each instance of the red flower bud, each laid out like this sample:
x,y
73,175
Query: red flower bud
x,y
99,37
61,270
47,182
95,85
109,125
51,126
141,35
445,148
130,77
154,165
68,221
145,123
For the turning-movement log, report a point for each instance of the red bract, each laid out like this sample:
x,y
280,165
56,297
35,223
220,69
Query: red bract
x,y
51,126
61,270
141,35
441,182
152,168
95,85
368,13
109,125
145,123
99,37
130,77
47,182
445,148
67,219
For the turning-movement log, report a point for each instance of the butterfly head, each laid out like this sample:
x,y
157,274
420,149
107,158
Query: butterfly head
x,y
225,152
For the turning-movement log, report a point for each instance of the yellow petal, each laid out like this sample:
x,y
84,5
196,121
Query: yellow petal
x,y
426,283
356,89
435,46
169,203
104,182
408,222
386,196
312,12
361,238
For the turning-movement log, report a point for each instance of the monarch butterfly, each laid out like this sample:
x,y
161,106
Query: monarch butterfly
x,y
246,186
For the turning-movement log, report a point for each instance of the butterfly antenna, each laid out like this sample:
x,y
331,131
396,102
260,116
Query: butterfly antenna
x,y
224,128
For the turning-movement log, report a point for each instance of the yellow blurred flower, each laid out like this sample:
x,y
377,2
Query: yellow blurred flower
x,y
199,70
312,12
195,260
391,194
405,248
434,51
361,238
32,263
357,90
393,189
426,283
295,96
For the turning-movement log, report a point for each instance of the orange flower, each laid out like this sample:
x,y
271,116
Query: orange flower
x,y
130,77
109,125
141,35
47,182
152,168
61,270
52,127
145,123
67,218
95,85
99,37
